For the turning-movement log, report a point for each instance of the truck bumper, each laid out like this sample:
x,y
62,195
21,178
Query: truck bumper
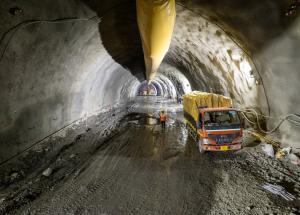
x,y
221,147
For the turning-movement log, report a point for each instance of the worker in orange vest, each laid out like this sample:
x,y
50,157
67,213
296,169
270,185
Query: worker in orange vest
x,y
163,119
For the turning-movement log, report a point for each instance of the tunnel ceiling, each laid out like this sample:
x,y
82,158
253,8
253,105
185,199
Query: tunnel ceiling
x,y
62,60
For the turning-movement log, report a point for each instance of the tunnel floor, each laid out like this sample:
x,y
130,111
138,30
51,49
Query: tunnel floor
x,y
140,169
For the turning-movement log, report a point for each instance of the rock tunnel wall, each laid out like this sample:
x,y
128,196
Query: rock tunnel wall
x,y
52,73
271,40
205,53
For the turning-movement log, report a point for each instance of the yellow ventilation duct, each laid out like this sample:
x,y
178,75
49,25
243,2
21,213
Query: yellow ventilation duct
x,y
156,19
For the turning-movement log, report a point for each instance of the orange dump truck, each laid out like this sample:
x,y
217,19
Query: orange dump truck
x,y
212,122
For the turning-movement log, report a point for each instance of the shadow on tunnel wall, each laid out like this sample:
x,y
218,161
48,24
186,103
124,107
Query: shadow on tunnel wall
x,y
120,35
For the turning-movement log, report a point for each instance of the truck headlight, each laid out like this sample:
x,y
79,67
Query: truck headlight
x,y
205,141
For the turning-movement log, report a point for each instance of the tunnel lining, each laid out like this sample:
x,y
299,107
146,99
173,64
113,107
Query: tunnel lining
x,y
108,98
148,89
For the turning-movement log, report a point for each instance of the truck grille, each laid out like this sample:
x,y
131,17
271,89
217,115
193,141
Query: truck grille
x,y
223,138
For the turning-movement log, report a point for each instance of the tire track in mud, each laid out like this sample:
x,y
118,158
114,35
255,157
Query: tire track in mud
x,y
96,185
78,194
69,189
104,161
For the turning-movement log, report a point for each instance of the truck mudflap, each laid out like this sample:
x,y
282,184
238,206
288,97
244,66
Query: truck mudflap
x,y
221,147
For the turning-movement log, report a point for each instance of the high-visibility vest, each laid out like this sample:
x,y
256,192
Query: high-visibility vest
x,y
163,117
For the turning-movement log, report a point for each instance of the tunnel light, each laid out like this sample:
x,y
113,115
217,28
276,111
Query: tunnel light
x,y
245,66
236,56
205,141
146,89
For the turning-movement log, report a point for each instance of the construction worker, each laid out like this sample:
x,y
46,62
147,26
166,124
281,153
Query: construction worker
x,y
163,119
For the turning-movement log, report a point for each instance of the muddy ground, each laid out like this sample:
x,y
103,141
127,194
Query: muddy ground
x,y
133,167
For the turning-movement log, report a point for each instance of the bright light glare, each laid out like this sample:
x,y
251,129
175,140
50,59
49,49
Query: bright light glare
x,y
245,66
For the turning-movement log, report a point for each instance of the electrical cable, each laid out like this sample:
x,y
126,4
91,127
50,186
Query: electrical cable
x,y
284,118
24,24
294,121
98,111
258,123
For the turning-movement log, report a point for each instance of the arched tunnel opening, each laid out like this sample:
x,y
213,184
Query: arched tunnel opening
x,y
152,89
80,129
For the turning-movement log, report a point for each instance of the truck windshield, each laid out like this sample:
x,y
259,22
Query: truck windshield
x,y
227,119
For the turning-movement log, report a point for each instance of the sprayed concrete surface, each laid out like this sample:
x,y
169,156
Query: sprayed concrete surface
x,y
130,166
62,60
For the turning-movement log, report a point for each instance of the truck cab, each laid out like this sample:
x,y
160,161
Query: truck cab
x,y
219,129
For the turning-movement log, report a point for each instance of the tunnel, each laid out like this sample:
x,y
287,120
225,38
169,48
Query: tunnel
x,y
79,121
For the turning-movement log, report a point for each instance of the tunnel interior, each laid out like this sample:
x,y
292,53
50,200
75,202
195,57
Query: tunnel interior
x,y
63,62
151,89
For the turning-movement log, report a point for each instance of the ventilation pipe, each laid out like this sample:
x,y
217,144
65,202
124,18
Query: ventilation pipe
x,y
156,19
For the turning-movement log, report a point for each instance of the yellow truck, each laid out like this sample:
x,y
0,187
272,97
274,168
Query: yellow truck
x,y
212,122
